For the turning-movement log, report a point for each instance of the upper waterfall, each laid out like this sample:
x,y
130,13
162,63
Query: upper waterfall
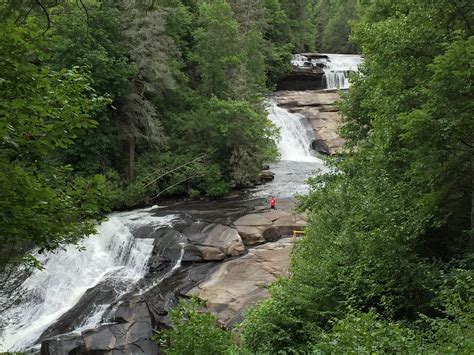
x,y
334,68
337,69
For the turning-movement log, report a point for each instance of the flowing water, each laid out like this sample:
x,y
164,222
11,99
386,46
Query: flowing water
x,y
112,254
337,69
115,257
296,134
298,161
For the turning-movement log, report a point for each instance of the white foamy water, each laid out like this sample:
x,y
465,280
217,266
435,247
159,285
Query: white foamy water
x,y
337,69
112,254
297,158
296,134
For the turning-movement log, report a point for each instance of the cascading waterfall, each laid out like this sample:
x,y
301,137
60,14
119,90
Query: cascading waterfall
x,y
337,69
297,158
296,134
113,254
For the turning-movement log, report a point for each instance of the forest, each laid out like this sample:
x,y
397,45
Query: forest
x,y
110,105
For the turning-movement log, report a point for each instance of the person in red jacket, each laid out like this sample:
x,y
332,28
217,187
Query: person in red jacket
x,y
273,203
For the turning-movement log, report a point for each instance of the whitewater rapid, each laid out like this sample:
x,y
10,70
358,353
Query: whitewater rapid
x,y
296,134
338,68
112,255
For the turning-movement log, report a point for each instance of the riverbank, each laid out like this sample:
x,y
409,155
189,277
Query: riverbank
x,y
114,294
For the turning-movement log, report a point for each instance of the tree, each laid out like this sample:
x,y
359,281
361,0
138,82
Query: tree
x,y
43,206
217,51
390,229
333,26
300,14
93,39
150,51
194,332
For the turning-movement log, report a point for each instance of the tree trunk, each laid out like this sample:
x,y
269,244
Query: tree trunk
x,y
131,158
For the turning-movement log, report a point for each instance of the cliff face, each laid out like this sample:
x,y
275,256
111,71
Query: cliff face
x,y
302,81
319,107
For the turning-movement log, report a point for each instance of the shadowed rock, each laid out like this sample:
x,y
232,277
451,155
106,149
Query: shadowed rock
x,y
129,333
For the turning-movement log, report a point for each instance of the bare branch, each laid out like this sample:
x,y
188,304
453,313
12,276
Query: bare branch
x,y
169,187
48,19
175,169
22,18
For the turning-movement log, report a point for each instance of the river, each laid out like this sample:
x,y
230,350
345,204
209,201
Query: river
x,y
146,254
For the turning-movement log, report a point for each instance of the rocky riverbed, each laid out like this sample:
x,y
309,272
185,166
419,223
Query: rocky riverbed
x,y
110,298
226,252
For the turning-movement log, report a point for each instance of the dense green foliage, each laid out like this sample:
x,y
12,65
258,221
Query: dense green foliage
x,y
194,332
386,264
43,110
114,103
333,25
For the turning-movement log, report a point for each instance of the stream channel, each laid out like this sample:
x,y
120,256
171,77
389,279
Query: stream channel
x,y
140,262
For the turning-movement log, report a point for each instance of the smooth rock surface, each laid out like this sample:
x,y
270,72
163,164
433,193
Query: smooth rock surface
x,y
239,283
257,228
218,236
210,253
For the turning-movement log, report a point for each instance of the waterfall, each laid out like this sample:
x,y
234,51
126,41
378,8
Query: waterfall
x,y
296,134
113,255
337,68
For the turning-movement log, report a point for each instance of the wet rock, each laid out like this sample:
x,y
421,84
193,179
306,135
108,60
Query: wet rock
x,y
301,81
320,146
167,247
64,344
101,295
266,176
164,295
192,253
129,333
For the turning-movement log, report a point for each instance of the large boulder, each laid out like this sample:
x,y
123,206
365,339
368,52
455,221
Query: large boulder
x,y
266,176
226,239
258,228
239,283
251,235
210,253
